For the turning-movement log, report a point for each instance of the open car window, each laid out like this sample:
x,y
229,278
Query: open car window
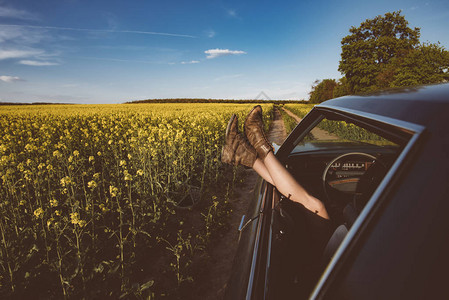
x,y
328,134
341,161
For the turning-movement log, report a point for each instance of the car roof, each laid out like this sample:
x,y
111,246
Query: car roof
x,y
421,105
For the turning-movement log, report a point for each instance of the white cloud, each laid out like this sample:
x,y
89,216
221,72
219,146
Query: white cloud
x,y
210,33
11,34
70,85
7,78
17,53
111,20
24,44
37,63
190,62
213,53
17,36
8,12
232,13
226,77
21,35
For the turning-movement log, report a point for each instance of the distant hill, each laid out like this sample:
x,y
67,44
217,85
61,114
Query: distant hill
x,y
193,100
177,100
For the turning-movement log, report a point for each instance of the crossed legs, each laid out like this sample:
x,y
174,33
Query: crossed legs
x,y
252,149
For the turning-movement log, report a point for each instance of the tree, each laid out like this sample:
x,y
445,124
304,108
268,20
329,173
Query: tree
x,y
342,88
322,90
429,63
383,53
371,52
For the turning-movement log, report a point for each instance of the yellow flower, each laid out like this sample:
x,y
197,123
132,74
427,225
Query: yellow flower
x,y
66,181
53,202
39,212
74,218
113,191
92,184
128,177
103,208
49,222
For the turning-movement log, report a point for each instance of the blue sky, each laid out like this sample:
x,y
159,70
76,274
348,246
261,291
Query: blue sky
x,y
115,51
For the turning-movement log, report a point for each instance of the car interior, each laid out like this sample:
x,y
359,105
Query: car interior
x,y
342,164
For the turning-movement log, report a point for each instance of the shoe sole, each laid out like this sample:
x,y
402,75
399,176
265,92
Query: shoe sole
x,y
246,119
244,123
228,127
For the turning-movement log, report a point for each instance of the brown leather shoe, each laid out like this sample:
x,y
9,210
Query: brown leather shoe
x,y
255,133
237,150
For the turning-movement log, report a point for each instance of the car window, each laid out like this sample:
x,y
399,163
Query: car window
x,y
342,160
328,134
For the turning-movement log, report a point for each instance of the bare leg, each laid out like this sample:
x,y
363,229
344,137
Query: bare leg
x,y
289,187
262,170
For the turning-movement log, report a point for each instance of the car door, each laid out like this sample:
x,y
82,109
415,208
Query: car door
x,y
393,142
246,281
274,258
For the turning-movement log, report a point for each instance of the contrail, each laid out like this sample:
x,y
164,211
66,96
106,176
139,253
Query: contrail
x,y
102,30
117,59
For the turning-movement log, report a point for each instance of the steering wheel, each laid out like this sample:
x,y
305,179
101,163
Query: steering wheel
x,y
341,175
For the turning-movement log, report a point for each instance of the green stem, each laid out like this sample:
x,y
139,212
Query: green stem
x,y
61,278
5,245
121,241
133,215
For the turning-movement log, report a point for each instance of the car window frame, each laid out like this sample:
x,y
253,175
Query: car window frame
x,y
413,133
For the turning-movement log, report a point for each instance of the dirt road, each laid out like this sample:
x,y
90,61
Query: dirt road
x,y
277,132
317,133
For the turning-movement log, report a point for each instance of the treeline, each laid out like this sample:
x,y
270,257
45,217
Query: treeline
x,y
384,53
33,103
193,100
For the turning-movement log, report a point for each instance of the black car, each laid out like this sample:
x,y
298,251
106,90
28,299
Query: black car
x,y
380,164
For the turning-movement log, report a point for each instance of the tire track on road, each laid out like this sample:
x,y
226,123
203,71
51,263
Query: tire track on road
x,y
317,133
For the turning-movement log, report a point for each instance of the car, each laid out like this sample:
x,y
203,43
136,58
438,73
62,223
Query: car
x,y
380,164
